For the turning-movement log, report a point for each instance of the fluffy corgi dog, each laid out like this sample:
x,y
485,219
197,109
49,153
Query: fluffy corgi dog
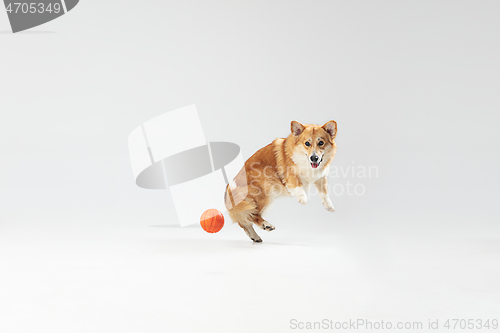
x,y
287,166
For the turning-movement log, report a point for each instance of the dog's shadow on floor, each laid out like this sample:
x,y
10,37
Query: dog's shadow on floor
x,y
215,245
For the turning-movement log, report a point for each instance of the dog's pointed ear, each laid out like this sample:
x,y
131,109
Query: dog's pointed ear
x,y
331,128
297,128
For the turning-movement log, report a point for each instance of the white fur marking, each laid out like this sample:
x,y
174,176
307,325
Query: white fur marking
x,y
327,202
299,194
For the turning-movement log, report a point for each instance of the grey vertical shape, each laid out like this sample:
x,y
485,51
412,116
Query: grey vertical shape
x,y
70,4
20,20
225,176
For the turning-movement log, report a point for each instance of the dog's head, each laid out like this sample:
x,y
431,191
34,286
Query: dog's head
x,y
314,144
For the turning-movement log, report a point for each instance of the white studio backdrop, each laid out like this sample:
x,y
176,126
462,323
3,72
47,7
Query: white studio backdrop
x,y
412,85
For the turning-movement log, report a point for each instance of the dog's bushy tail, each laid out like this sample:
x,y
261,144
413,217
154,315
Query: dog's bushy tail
x,y
238,205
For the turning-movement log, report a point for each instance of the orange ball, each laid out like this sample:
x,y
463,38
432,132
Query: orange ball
x,y
212,221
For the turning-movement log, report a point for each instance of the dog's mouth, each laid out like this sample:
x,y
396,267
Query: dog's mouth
x,y
316,165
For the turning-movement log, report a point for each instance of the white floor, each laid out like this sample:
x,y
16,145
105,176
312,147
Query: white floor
x,y
166,279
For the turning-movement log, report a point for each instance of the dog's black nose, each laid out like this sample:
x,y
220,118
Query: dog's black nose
x,y
314,158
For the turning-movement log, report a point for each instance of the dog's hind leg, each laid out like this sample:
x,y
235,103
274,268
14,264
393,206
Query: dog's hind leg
x,y
263,224
247,226
243,213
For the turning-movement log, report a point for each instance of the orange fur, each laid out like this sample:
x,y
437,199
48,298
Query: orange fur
x,y
283,167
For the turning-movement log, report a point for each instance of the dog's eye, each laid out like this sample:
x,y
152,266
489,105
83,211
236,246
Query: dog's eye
x,y
307,144
321,143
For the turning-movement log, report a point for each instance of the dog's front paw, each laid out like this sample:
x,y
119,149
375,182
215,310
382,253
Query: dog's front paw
x,y
327,202
302,198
